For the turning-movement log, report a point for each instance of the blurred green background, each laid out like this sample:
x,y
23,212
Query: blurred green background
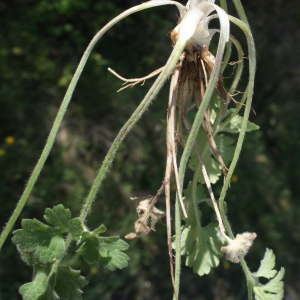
x,y
41,43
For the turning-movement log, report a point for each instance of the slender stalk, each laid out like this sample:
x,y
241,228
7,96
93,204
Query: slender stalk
x,y
62,110
217,126
223,4
252,66
240,10
187,151
226,56
152,93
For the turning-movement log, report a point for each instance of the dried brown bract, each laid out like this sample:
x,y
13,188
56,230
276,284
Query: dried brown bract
x,y
147,213
239,247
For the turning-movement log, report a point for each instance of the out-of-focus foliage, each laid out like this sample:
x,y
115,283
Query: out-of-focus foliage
x,y
41,44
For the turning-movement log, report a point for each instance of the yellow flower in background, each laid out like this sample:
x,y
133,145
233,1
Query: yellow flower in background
x,y
234,179
2,151
9,140
93,271
226,265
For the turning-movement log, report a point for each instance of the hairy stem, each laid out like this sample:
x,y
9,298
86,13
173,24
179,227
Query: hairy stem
x,y
61,112
188,148
152,93
252,66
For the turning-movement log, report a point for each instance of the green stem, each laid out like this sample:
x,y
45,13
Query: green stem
x,y
217,126
248,279
223,4
240,10
187,151
62,110
152,93
252,66
194,195
227,55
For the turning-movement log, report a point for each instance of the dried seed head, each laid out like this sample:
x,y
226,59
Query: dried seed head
x,y
145,212
239,247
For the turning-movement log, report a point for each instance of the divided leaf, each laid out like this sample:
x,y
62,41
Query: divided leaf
x,y
267,265
38,287
234,126
107,250
68,283
273,290
64,283
75,228
46,243
111,255
58,216
226,149
90,248
200,244
41,243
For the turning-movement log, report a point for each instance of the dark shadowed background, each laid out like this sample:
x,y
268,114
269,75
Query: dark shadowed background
x,y
41,43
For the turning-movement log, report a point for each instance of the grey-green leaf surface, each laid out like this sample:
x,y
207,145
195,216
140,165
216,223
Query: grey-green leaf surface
x,y
107,250
274,289
200,245
234,126
58,216
69,283
46,243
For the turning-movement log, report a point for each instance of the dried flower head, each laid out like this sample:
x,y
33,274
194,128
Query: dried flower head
x,y
239,247
145,211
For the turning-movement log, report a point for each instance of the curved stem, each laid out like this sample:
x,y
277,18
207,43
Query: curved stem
x,y
226,56
152,93
223,4
63,108
252,66
188,148
217,126
240,10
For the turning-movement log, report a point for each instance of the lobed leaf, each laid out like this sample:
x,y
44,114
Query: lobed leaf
x,y
68,283
107,250
58,216
111,253
63,283
200,244
226,149
90,249
267,265
234,126
46,243
274,289
41,286
75,228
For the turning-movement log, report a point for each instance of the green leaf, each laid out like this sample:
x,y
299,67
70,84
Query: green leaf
x,y
273,290
107,250
225,147
200,244
63,283
58,216
68,283
39,287
111,255
100,229
213,168
267,265
46,243
90,249
234,126
75,228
